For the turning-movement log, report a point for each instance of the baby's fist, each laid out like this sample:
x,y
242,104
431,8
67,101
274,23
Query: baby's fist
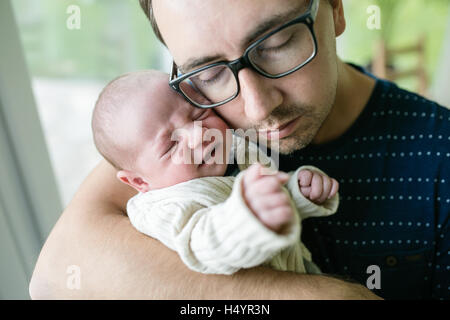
x,y
316,186
265,197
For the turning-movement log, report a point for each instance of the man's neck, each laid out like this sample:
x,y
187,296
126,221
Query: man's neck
x,y
352,94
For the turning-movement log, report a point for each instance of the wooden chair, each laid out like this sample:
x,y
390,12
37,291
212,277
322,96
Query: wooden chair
x,y
382,63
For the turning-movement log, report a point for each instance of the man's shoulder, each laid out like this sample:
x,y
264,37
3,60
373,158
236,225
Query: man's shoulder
x,y
389,94
409,111
396,99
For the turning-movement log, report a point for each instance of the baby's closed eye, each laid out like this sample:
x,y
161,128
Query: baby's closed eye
x,y
203,114
169,148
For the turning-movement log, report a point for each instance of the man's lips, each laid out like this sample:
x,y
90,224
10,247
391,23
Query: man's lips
x,y
282,131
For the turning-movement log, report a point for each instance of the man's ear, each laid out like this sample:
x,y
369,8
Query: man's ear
x,y
133,180
338,17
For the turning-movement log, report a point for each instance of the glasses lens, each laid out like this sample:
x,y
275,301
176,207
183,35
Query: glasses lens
x,y
216,84
283,51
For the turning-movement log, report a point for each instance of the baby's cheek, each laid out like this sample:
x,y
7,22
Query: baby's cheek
x,y
215,122
183,172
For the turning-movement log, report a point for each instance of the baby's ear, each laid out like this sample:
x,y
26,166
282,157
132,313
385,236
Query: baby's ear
x,y
133,180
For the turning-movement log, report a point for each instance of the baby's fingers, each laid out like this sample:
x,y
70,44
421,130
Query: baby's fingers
x,y
257,172
326,189
265,185
334,188
269,201
252,173
306,191
305,178
316,187
275,218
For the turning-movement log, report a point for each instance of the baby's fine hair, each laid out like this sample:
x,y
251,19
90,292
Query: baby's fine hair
x,y
106,118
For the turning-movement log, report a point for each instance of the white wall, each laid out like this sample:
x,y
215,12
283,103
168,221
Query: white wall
x,y
441,84
29,200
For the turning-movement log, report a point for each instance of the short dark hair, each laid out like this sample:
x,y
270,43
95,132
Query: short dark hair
x,y
146,5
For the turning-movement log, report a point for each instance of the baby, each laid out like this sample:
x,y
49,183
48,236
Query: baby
x,y
216,223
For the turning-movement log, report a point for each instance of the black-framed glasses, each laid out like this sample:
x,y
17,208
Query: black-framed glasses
x,y
279,53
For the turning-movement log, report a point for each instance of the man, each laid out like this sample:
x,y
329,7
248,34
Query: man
x,y
388,147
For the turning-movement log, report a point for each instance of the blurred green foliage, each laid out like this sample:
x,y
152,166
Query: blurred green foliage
x,y
403,22
114,37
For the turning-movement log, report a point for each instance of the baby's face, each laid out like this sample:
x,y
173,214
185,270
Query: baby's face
x,y
177,142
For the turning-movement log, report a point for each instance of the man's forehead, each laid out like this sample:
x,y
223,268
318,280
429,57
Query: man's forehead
x,y
201,31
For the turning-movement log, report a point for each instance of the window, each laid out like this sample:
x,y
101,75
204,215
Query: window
x,y
73,49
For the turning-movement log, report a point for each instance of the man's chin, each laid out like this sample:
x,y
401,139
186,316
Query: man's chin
x,y
291,147
295,142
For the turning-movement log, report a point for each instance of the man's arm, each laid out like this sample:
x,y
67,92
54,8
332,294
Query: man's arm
x,y
118,262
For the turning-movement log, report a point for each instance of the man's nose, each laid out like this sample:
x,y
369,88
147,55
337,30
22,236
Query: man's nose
x,y
259,95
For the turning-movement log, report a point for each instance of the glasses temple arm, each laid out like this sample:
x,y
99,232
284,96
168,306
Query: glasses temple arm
x,y
314,8
174,71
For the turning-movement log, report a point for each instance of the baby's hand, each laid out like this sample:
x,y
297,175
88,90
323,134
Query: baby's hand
x,y
317,187
265,197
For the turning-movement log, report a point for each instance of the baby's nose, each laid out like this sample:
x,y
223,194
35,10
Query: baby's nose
x,y
195,137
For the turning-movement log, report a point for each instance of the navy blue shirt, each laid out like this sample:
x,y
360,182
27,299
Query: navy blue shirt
x,y
393,166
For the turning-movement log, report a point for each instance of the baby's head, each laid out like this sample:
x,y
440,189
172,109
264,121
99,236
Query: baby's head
x,y
155,138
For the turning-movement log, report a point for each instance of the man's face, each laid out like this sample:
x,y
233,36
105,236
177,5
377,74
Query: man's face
x,y
215,30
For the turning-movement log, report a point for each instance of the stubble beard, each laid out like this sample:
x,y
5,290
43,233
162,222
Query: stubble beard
x,y
310,123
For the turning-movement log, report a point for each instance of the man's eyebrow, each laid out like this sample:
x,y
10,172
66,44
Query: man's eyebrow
x,y
254,34
195,62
